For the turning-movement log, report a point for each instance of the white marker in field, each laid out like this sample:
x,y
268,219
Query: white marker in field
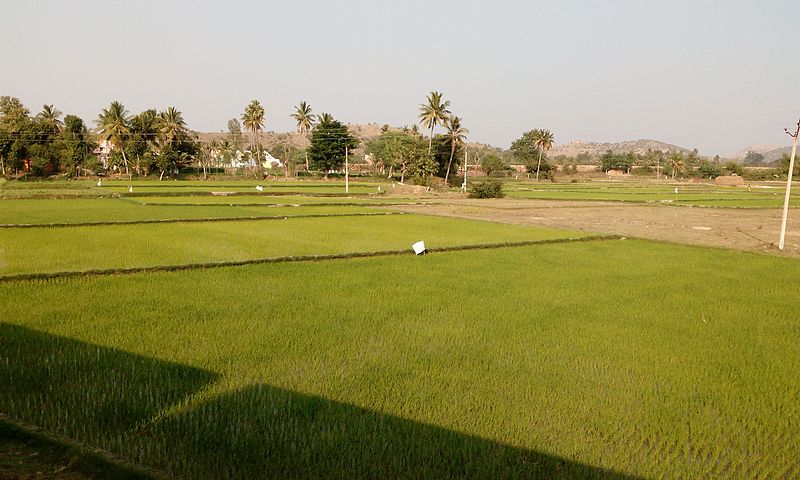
x,y
676,190
99,183
130,189
259,188
419,247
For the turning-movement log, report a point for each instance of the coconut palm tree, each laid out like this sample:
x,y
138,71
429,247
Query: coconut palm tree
x,y
172,126
143,135
305,121
326,118
253,120
114,127
433,113
675,163
51,117
457,135
543,139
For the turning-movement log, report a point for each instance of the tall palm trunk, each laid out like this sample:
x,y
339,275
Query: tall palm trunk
x,y
125,161
430,140
449,163
538,165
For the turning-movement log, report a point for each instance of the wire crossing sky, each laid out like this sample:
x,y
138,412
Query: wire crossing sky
x,y
713,75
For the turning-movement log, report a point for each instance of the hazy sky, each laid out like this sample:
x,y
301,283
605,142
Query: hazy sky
x,y
716,75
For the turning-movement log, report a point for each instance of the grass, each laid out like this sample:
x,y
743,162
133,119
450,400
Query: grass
x,y
267,200
42,250
89,188
587,360
44,211
759,196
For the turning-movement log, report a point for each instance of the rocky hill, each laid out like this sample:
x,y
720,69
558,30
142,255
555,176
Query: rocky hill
x,y
595,149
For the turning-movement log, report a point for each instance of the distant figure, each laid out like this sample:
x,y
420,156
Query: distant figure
x,y
748,188
100,183
676,190
130,189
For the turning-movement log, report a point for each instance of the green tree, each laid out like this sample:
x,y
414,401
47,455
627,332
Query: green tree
x,y
783,165
235,133
177,147
616,161
753,158
330,139
141,144
492,165
171,126
708,170
113,124
676,163
305,119
544,142
253,121
14,127
50,118
525,151
456,135
76,150
42,148
433,112
399,151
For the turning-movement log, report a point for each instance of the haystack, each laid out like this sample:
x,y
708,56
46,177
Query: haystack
x,y
729,180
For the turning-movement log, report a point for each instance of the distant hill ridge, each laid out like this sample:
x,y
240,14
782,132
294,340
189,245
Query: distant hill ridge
x,y
572,149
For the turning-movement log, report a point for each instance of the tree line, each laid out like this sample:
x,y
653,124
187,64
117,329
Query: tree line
x,y
160,142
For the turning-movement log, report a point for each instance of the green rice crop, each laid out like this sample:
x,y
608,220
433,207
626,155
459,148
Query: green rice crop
x,y
621,359
266,200
67,211
81,248
690,197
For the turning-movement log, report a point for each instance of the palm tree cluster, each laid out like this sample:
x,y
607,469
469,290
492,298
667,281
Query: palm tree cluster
x,y
253,120
154,138
435,111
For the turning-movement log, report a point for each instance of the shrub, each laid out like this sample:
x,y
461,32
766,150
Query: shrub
x,y
486,189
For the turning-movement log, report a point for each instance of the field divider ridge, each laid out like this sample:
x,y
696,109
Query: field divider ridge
x,y
291,258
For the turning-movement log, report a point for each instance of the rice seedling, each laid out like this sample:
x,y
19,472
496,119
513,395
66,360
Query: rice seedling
x,y
580,360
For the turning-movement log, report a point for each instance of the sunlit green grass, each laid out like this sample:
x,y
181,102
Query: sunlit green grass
x,y
731,198
38,250
44,211
266,200
89,188
647,359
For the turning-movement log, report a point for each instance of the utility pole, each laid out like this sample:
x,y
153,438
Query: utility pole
x,y
464,186
788,183
346,171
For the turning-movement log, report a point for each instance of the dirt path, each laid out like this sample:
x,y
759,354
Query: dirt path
x,y
742,229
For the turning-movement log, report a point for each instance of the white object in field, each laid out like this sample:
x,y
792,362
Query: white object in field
x,y
419,247
259,188
676,190
99,183
130,189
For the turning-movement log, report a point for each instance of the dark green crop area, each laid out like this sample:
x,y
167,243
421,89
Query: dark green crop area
x,y
82,248
759,196
627,359
77,211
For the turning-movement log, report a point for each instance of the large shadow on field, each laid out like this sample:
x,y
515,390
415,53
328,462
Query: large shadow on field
x,y
267,432
87,392
116,400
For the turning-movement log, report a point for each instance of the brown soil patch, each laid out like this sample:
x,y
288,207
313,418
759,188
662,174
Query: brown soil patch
x,y
741,229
